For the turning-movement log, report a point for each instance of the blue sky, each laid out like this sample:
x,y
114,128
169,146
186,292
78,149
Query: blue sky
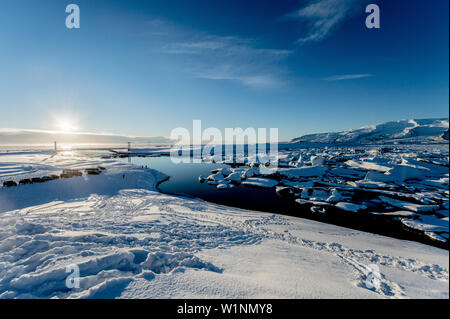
x,y
142,68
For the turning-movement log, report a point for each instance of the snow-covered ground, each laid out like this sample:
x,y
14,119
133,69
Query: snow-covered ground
x,y
130,241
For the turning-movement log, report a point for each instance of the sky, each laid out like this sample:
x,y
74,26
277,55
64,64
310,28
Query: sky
x,y
143,68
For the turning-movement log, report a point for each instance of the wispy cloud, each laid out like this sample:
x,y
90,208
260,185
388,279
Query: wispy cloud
x,y
225,46
228,72
348,77
320,17
227,58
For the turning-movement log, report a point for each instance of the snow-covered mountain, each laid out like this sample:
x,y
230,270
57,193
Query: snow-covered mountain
x,y
403,131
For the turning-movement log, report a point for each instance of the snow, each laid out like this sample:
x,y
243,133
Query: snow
x,y
130,241
419,130
117,176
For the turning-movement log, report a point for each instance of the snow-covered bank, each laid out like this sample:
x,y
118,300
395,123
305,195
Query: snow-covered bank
x,y
26,165
130,241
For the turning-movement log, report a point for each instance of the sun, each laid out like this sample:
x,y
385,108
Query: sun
x,y
66,126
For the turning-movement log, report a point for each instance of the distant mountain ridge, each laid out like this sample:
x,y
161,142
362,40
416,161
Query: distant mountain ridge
x,y
402,131
19,136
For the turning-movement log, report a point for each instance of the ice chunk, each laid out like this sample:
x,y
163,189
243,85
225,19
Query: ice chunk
x,y
442,182
317,160
284,190
400,213
224,186
427,223
371,184
335,196
224,171
234,177
252,171
315,194
367,165
260,182
312,202
306,171
409,206
215,177
318,209
350,207
398,174
404,172
437,237
347,172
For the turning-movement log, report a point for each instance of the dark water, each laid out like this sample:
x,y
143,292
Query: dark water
x,y
184,181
